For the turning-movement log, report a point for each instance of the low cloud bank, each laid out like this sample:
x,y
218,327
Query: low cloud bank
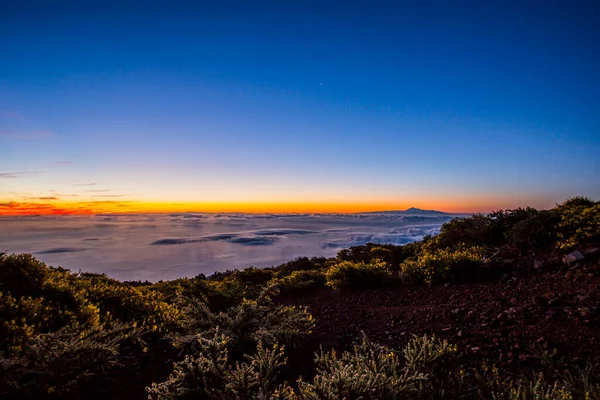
x,y
168,246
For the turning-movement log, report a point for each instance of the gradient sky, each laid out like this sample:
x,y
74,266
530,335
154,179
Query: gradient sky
x,y
297,105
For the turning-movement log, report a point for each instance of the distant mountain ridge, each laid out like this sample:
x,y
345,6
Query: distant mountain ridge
x,y
410,211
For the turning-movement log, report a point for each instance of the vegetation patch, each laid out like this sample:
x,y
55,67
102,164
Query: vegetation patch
x,y
355,275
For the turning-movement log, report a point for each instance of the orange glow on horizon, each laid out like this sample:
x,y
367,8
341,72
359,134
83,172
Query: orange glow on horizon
x,y
102,207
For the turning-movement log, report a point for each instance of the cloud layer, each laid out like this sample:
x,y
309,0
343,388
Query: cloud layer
x,y
168,246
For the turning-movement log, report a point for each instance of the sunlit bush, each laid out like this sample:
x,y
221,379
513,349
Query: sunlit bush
x,y
38,299
299,281
580,222
441,265
351,275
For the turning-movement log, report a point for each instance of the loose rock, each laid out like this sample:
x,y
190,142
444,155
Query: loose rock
x,y
573,257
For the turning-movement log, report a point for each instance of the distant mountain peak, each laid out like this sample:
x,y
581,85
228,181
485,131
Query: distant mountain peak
x,y
411,210
420,210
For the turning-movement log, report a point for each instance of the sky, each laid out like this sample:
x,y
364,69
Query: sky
x,y
297,106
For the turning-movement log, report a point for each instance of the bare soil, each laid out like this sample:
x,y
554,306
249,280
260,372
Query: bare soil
x,y
508,321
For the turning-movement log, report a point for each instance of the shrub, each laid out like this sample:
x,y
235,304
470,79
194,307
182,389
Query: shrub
x,y
578,224
246,324
57,363
227,289
441,265
301,264
423,353
429,368
253,275
576,202
538,231
491,384
21,274
180,289
36,299
140,306
299,281
502,221
389,254
349,275
356,254
210,374
372,371
22,319
474,230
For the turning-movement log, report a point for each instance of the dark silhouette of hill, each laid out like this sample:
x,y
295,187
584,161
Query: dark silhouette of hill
x,y
412,211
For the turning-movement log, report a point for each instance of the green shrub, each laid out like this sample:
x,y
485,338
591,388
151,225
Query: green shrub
x,y
372,371
356,254
578,224
21,274
211,374
441,265
389,254
230,288
302,264
299,281
538,231
576,202
21,319
502,221
350,275
430,368
253,275
246,324
473,231
181,289
36,299
490,383
56,364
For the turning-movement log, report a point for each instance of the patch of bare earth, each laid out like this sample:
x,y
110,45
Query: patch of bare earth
x,y
504,321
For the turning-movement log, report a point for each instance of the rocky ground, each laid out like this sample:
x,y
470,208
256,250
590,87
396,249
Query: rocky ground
x,y
538,305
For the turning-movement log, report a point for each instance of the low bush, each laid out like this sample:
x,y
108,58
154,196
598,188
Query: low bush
x,y
391,255
302,264
578,224
475,230
211,374
537,231
502,221
57,364
350,275
442,265
372,371
21,274
246,324
299,281
64,299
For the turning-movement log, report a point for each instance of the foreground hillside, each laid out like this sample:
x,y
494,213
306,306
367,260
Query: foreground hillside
x,y
503,306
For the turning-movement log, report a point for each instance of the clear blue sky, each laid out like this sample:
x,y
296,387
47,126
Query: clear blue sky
x,y
460,105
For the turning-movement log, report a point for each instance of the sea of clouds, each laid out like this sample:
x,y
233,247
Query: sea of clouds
x,y
168,246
